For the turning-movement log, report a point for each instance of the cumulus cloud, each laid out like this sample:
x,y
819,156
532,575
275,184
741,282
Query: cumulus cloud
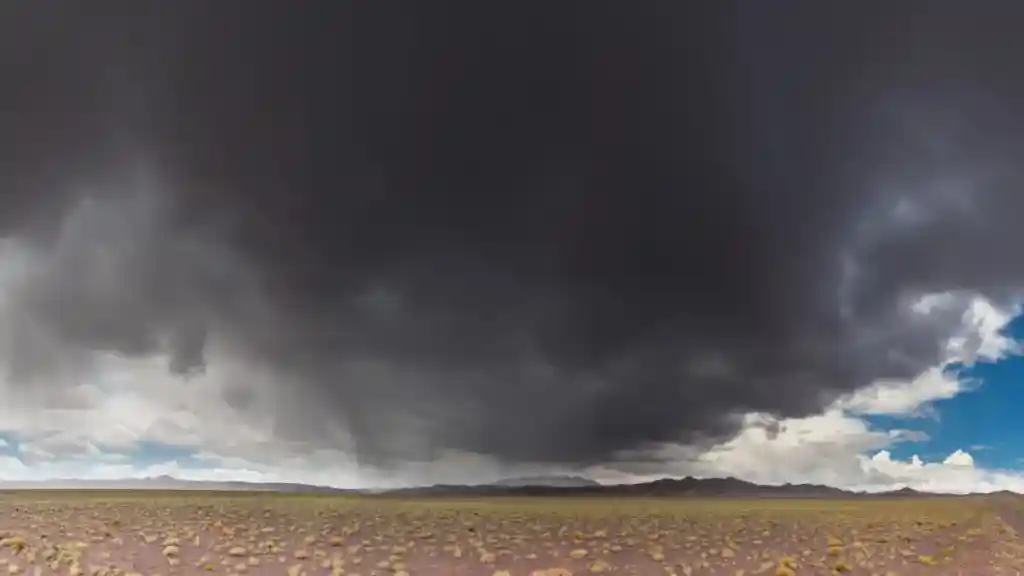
x,y
898,397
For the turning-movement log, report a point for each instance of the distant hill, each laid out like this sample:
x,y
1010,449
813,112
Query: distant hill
x,y
561,486
164,483
683,487
558,481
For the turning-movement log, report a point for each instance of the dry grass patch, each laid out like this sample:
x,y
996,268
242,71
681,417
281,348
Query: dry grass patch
x,y
156,533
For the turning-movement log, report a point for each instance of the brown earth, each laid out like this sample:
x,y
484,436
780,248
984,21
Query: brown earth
x,y
118,533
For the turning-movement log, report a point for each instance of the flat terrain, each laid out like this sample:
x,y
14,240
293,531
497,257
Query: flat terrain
x,y
108,533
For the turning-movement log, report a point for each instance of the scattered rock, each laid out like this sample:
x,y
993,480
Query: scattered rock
x,y
171,551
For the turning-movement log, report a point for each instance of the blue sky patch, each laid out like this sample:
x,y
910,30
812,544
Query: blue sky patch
x,y
8,443
147,453
986,421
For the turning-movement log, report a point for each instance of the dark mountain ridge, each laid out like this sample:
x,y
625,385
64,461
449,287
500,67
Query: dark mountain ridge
x,y
682,487
555,481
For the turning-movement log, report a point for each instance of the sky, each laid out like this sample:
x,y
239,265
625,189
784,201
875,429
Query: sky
x,y
376,244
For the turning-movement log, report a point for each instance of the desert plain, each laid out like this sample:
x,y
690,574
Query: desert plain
x,y
118,533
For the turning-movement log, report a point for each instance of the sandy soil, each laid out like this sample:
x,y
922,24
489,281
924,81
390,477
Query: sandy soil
x,y
111,533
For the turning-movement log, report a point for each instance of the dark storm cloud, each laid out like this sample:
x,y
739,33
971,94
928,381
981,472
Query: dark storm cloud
x,y
543,231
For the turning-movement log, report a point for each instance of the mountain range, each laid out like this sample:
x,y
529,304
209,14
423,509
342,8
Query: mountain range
x,y
563,486
163,483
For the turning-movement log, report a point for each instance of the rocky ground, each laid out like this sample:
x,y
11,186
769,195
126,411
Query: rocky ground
x,y
120,533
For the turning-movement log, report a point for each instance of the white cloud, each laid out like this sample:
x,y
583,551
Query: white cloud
x,y
62,444
833,449
981,336
959,458
900,397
